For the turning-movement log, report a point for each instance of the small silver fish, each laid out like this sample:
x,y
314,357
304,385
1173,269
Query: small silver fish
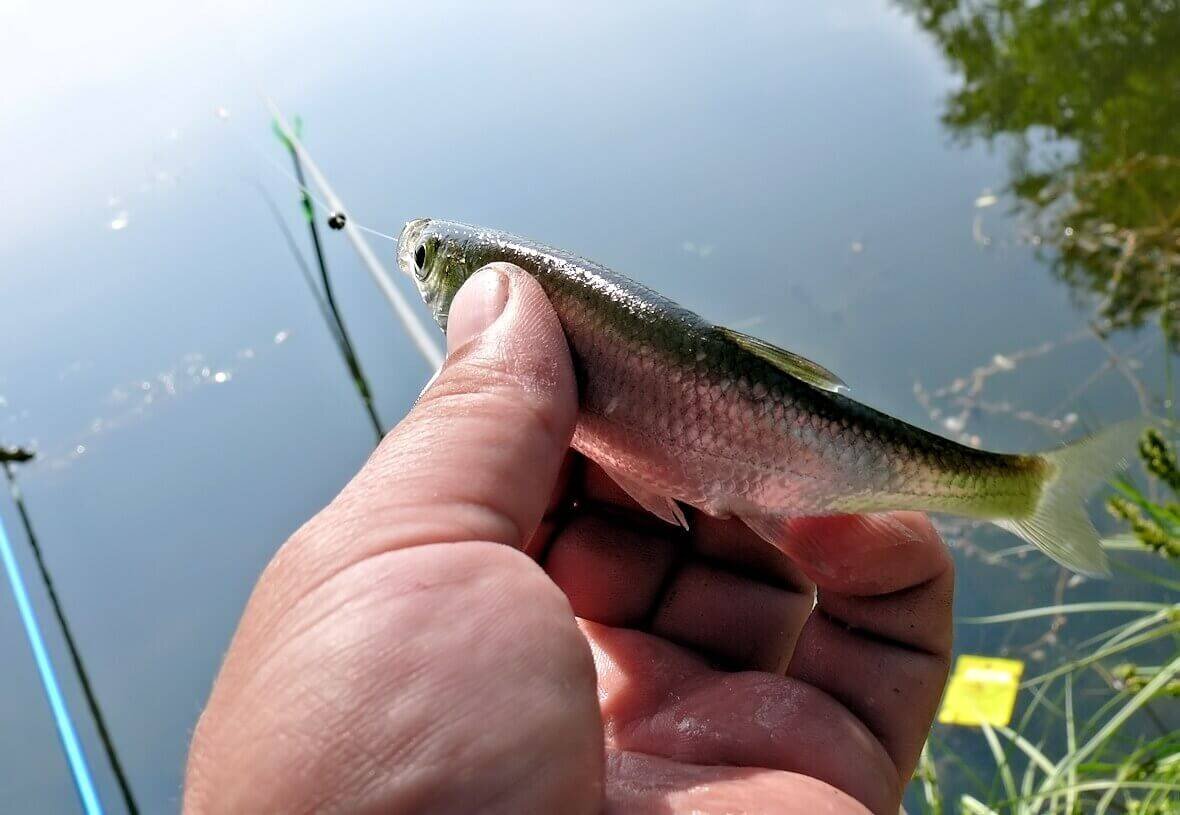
x,y
677,409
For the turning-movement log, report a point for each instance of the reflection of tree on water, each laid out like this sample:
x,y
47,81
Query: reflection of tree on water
x,y
1089,92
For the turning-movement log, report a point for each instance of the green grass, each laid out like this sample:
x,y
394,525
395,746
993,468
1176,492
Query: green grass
x,y
1121,757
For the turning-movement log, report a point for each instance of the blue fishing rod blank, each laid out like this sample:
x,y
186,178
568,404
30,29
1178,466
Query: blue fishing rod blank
x,y
61,715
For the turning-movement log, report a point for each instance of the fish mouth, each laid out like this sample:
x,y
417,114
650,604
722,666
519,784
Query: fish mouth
x,y
407,243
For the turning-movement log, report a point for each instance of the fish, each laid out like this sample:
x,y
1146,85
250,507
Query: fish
x,y
680,411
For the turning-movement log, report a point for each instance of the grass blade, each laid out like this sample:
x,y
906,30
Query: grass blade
x,y
1125,645
928,775
1071,741
1069,608
1076,757
1037,758
973,806
1001,759
1113,636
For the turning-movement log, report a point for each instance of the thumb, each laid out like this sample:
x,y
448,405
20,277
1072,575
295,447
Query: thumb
x,y
477,457
440,677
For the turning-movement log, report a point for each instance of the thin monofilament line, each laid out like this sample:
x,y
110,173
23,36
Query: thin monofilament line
x,y
364,228
423,341
311,195
327,209
243,68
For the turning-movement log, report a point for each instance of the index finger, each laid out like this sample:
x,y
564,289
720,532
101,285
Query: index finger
x,y
880,638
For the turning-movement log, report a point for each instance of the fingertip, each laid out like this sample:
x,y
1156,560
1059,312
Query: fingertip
x,y
868,554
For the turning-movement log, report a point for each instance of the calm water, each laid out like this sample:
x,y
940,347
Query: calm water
x,y
783,168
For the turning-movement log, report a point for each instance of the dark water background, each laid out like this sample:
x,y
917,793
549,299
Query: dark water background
x,y
782,168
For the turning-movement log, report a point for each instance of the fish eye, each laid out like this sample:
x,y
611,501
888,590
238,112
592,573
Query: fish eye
x,y
420,258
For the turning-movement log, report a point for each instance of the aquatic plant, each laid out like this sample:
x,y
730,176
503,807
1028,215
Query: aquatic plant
x,y
1155,525
1123,757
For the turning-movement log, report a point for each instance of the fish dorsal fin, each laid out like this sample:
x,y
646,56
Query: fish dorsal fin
x,y
799,367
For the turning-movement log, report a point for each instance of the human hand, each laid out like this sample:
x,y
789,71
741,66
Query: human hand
x,y
404,652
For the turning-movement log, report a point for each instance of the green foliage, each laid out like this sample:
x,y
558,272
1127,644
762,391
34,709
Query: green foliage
x,y
1135,677
1108,765
1088,94
1156,525
1160,458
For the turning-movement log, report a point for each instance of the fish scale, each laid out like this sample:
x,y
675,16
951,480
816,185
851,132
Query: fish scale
x,y
677,409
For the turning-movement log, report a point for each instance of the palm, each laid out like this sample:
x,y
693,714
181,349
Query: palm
x,y
710,661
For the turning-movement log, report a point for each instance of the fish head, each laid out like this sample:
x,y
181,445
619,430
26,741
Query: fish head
x,y
435,256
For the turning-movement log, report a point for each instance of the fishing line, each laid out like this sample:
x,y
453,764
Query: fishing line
x,y
346,346
295,182
244,68
364,228
304,269
281,170
325,299
425,342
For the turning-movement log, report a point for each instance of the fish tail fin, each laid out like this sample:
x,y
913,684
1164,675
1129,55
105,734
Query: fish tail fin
x,y
1058,525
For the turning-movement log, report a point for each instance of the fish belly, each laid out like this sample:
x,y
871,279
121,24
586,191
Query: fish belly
x,y
702,439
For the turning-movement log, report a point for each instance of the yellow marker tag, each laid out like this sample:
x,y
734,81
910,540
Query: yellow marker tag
x,y
982,689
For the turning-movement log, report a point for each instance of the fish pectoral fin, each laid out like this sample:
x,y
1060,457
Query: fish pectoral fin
x,y
790,363
663,507
773,529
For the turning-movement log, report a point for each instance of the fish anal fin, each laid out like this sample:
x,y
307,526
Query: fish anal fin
x,y
663,507
786,361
